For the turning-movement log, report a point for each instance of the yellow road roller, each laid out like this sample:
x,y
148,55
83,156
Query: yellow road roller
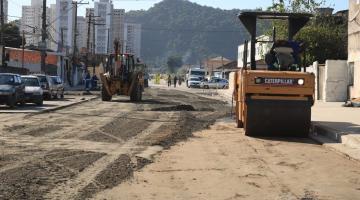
x,y
275,100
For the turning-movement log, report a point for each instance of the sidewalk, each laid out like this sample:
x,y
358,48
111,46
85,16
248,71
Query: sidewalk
x,y
337,127
79,90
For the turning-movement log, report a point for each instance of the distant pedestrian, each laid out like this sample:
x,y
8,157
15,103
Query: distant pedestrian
x,y
180,80
175,81
169,81
94,80
87,81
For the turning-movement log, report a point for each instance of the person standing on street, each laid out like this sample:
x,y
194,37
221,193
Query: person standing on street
x,y
87,81
169,81
175,80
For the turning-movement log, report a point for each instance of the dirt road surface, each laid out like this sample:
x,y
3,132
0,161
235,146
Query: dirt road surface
x,y
221,163
162,148
76,152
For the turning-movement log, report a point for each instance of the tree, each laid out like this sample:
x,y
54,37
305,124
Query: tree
x,y
174,63
12,37
296,5
325,36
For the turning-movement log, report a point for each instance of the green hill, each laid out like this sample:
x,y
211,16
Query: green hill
x,y
183,28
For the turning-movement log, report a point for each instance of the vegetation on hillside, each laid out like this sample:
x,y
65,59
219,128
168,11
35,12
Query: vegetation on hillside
x,y
186,29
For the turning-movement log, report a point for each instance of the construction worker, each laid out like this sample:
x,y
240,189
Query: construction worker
x,y
169,80
175,80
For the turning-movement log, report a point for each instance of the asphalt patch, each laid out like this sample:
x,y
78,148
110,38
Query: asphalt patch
x,y
37,177
181,107
117,172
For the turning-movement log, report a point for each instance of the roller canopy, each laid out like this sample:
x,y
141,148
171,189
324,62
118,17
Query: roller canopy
x,y
296,20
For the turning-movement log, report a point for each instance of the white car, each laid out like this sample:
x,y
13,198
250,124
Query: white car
x,y
194,82
215,83
33,90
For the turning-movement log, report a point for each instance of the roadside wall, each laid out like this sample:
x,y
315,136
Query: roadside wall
x,y
354,46
32,60
355,89
336,81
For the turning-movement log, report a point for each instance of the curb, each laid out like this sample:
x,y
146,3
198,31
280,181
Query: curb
x,y
332,134
336,141
64,106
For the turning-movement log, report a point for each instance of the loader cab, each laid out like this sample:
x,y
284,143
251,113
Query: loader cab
x,y
121,65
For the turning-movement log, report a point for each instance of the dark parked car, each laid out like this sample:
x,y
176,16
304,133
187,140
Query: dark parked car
x,y
11,89
33,90
58,87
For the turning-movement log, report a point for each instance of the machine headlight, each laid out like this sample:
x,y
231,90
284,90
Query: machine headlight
x,y
258,80
301,81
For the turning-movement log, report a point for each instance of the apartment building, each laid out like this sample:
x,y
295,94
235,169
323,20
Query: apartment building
x,y
132,39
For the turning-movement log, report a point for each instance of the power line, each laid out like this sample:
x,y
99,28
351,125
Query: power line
x,y
190,30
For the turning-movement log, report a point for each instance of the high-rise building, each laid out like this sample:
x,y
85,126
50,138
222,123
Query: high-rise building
x,y
52,42
81,34
117,27
64,23
31,22
103,33
132,39
5,3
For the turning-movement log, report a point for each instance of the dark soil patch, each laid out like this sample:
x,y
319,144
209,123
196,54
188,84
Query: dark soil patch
x,y
6,159
34,179
97,136
15,128
188,122
175,108
173,95
117,172
74,159
37,132
127,127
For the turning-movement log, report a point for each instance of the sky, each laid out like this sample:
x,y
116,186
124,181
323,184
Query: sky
x,y
15,5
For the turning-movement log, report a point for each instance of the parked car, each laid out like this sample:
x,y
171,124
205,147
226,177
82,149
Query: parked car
x,y
194,82
12,90
58,85
33,90
215,83
49,90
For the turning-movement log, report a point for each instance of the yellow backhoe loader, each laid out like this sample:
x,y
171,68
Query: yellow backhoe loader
x,y
123,77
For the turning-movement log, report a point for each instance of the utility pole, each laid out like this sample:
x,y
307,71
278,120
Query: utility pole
x,y
43,38
90,22
2,33
75,6
23,48
88,36
108,42
75,28
75,3
62,57
94,45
